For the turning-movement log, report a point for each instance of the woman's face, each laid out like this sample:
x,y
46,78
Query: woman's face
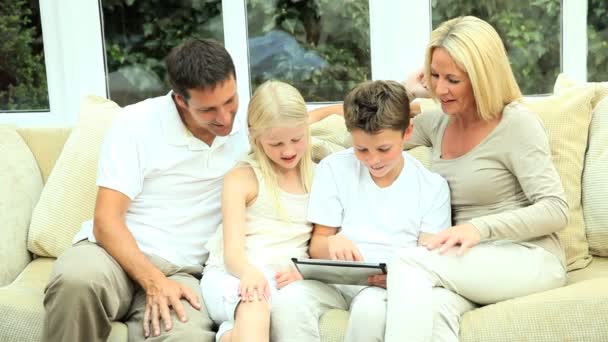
x,y
451,85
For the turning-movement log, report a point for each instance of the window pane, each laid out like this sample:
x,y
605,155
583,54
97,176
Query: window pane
x,y
597,33
22,72
321,47
139,35
531,36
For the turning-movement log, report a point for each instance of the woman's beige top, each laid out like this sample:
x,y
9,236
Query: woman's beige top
x,y
507,185
270,240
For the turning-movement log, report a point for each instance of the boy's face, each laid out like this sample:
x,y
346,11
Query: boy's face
x,y
380,152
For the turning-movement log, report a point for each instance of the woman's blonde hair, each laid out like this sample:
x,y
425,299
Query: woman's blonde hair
x,y
476,48
277,104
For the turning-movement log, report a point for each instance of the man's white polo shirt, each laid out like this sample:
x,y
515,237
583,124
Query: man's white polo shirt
x,y
173,179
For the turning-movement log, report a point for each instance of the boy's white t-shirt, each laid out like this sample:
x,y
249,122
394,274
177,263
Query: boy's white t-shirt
x,y
173,179
379,221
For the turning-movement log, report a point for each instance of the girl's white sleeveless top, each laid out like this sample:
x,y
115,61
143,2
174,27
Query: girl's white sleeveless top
x,y
270,240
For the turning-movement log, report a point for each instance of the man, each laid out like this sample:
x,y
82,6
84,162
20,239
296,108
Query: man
x,y
160,176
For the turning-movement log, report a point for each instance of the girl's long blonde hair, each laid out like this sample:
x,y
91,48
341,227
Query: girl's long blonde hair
x,y
277,104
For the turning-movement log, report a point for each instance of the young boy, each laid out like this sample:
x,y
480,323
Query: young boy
x,y
366,203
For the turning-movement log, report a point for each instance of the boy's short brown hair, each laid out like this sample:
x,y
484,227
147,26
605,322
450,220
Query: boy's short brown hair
x,y
374,106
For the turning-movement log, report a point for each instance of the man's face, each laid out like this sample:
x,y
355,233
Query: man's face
x,y
210,112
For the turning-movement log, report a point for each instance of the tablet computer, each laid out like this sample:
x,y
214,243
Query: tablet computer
x,y
338,271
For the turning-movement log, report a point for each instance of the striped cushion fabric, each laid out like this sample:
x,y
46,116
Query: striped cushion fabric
x,y
595,182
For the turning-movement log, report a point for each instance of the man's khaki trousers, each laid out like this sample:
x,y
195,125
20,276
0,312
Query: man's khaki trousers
x,y
87,290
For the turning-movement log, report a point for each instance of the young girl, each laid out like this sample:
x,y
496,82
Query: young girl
x,y
264,203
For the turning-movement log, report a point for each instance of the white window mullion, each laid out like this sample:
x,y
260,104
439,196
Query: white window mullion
x,y
234,14
574,39
399,33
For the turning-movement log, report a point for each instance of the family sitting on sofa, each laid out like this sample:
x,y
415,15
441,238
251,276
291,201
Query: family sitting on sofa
x,y
199,210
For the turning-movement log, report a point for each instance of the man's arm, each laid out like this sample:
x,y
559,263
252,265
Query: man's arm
x,y
112,234
325,111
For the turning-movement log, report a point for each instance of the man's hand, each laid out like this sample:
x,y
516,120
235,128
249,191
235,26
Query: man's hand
x,y
465,235
162,295
377,280
254,285
341,248
285,278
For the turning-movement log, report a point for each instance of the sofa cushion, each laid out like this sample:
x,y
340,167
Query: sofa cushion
x,y
68,198
22,310
595,182
566,115
21,184
570,313
328,135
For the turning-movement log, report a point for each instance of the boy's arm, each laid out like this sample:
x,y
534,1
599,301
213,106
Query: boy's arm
x,y
326,244
438,215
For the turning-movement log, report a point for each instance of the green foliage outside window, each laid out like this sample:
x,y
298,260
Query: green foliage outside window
x,y
22,74
531,35
597,40
336,31
140,33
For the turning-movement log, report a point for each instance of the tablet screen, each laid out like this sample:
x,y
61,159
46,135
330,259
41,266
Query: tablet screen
x,y
338,271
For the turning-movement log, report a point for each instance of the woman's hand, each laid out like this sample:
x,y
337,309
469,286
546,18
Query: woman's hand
x,y
341,248
377,280
284,278
465,235
253,286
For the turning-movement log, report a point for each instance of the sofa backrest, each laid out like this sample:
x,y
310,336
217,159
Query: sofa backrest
x,y
46,144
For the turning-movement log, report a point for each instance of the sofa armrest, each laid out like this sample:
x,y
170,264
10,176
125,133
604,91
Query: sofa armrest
x,y
21,185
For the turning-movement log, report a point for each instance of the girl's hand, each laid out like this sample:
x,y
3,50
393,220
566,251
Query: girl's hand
x,y
286,277
253,286
377,280
465,235
341,248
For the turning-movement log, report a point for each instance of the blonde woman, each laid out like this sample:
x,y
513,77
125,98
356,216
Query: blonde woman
x,y
507,198
264,203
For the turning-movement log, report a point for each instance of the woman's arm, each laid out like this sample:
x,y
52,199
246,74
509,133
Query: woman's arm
x,y
529,159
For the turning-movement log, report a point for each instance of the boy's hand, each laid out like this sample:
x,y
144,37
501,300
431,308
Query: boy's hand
x,y
465,235
285,278
341,248
253,286
377,280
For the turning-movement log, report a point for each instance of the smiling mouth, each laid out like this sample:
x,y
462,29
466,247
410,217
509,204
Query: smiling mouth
x,y
288,159
376,168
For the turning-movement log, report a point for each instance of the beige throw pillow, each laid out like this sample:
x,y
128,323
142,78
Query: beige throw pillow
x,y
595,182
566,115
68,197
